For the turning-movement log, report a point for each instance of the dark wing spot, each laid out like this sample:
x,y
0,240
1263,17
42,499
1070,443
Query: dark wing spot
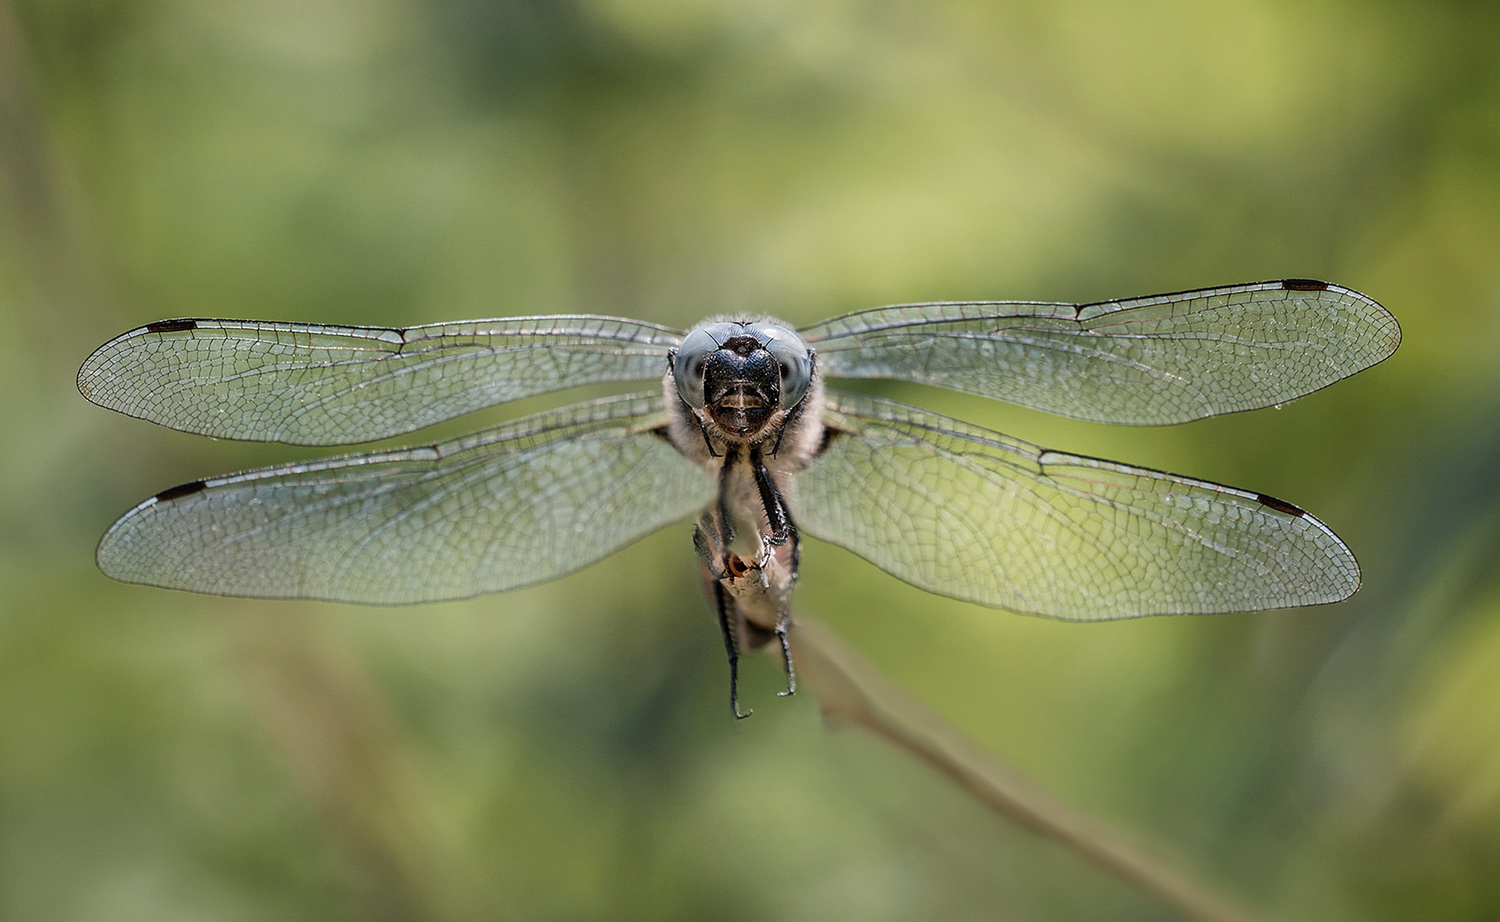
x,y
1280,505
178,492
1304,285
171,326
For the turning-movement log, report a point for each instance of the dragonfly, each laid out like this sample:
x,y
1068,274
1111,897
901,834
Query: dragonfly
x,y
740,432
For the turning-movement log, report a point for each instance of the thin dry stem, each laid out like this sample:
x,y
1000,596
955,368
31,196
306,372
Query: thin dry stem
x,y
853,692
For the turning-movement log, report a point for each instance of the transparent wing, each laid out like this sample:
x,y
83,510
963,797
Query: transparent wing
x,y
517,505
312,384
968,513
1144,361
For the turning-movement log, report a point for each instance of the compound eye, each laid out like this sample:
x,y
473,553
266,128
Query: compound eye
x,y
688,364
795,361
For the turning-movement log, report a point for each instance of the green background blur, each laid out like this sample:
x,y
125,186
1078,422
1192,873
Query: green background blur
x,y
566,752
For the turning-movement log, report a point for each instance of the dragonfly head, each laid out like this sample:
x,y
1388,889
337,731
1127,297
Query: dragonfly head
x,y
742,373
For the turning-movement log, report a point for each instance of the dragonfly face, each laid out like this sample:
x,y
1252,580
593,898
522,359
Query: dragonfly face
x,y
743,434
742,411
741,373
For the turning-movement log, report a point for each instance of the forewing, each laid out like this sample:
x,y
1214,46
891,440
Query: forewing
x,y
968,513
517,505
312,384
1144,361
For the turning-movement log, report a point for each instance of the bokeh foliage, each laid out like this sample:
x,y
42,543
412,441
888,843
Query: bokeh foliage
x,y
566,751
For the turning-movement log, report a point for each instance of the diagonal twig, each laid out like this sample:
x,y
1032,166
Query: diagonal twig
x,y
852,691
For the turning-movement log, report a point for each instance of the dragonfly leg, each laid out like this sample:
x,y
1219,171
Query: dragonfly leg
x,y
723,604
703,428
783,624
796,554
726,525
777,518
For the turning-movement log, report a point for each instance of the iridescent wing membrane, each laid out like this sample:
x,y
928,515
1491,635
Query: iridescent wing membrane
x,y
1143,361
969,513
519,504
949,507
318,384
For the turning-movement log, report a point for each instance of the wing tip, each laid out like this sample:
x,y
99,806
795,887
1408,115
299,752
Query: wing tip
x,y
99,370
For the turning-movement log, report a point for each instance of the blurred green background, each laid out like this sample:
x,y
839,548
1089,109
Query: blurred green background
x,y
566,752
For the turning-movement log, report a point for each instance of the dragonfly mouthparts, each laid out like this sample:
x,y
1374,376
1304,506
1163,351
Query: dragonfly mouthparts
x,y
742,400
